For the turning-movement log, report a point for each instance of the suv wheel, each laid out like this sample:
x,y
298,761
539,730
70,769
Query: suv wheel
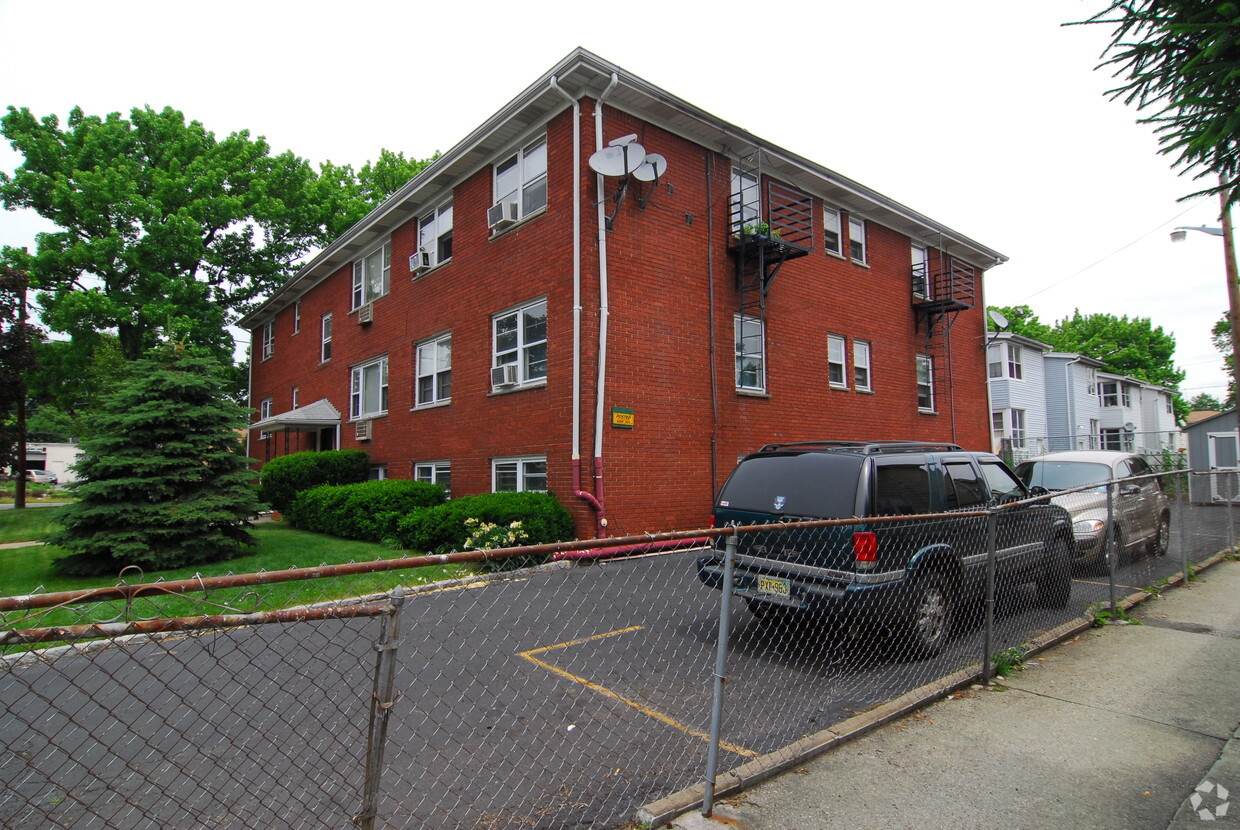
x,y
1162,536
1055,582
930,618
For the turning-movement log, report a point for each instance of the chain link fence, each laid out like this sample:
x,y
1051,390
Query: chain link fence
x,y
564,695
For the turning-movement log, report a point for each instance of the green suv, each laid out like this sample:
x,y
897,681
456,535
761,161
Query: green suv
x,y
912,576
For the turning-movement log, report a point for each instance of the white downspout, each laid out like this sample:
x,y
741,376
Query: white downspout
x,y
603,308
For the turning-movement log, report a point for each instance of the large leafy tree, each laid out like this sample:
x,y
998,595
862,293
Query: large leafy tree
x,y
1205,401
165,483
162,226
17,357
1126,346
1180,63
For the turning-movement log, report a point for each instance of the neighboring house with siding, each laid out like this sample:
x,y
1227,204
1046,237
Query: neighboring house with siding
x,y
517,318
1045,401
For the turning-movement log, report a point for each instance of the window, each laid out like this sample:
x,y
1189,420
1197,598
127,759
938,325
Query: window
x,y
434,371
1123,395
744,203
1114,393
1001,483
435,472
520,339
1005,361
264,412
1170,409
925,383
963,488
1014,367
1018,428
368,394
861,365
377,472
831,230
1116,439
296,316
325,351
522,178
750,353
921,271
435,234
269,339
519,475
372,275
997,423
856,239
295,391
836,367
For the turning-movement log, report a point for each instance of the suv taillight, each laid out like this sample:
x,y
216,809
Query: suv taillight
x,y
865,547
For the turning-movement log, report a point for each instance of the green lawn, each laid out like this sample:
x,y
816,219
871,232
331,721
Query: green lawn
x,y
32,523
29,570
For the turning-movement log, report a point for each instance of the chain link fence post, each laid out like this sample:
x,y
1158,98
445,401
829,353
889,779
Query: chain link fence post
x,y
1112,552
1231,510
992,546
721,660
1181,509
380,707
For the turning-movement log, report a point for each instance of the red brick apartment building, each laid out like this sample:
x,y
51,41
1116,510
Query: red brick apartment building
x,y
514,319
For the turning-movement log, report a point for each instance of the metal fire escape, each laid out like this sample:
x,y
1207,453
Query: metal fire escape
x,y
942,287
769,224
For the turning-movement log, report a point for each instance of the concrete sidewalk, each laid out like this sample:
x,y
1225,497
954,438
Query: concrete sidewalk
x,y
1118,727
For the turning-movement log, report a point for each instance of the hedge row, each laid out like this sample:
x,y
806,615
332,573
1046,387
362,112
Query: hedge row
x,y
442,528
283,478
368,511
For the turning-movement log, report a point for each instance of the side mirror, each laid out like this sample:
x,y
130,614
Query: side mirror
x,y
1038,490
1130,489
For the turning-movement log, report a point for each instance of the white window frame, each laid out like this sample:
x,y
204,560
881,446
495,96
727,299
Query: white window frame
x,y
265,408
528,188
861,365
435,233
269,339
856,240
1017,429
525,469
528,351
925,364
1015,364
358,388
296,317
429,364
837,361
832,232
434,472
998,423
325,338
920,259
749,361
745,201
296,390
367,285
1104,396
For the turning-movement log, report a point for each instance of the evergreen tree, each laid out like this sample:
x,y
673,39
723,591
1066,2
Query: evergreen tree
x,y
165,482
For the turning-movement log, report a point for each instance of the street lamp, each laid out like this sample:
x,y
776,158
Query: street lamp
x,y
1233,285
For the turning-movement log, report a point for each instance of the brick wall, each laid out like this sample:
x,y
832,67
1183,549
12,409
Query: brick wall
x,y
670,276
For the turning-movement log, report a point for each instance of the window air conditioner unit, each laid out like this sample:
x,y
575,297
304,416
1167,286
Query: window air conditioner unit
x,y
366,314
502,215
505,375
420,261
363,430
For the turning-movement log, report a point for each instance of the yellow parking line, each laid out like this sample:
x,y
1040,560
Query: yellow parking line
x,y
603,690
1108,584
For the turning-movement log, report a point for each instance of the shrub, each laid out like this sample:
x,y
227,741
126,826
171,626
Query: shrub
x,y
443,528
368,511
283,478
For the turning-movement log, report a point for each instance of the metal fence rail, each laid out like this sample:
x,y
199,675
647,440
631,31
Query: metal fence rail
x,y
566,695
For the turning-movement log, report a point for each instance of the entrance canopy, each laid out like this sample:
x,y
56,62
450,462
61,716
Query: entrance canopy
x,y
309,418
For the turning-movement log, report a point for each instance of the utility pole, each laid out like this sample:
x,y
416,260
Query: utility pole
x,y
1233,296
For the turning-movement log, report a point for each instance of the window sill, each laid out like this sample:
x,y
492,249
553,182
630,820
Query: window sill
x,y
834,255
432,405
859,263
353,311
520,387
921,411
753,393
367,417
838,387
864,391
429,271
325,362
520,222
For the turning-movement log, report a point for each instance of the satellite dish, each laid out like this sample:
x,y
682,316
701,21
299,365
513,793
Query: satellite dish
x,y
618,160
1130,427
622,140
651,168
1000,321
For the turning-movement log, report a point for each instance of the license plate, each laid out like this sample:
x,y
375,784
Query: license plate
x,y
772,586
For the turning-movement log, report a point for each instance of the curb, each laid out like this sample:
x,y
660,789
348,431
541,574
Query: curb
x,y
660,813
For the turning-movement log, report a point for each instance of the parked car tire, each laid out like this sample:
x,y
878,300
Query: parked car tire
x,y
932,611
1055,583
1162,536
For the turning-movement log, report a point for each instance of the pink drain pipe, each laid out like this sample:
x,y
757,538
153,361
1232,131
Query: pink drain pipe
x,y
600,518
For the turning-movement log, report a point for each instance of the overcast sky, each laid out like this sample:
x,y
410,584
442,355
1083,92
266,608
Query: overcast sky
x,y
985,115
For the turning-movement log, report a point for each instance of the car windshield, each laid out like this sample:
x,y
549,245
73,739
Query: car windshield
x,y
1062,475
